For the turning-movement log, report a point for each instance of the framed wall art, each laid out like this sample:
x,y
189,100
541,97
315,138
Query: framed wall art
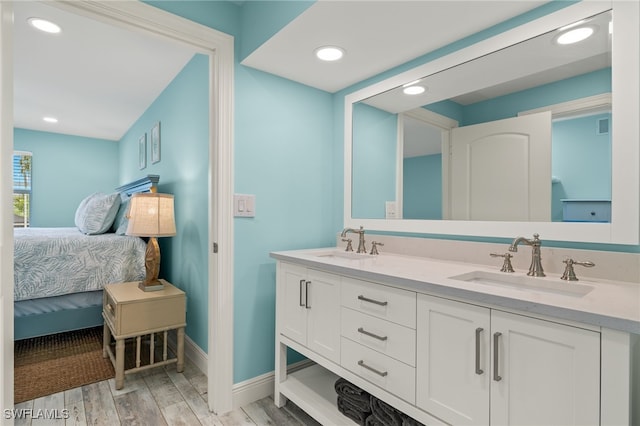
x,y
155,143
142,151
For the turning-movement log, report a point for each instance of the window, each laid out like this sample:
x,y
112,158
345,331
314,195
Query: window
x,y
21,188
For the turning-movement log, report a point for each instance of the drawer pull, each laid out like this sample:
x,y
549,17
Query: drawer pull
x,y
302,302
366,299
378,372
306,294
110,308
496,341
370,334
478,369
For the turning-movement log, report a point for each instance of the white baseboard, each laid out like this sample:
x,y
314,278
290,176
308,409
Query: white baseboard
x,y
245,392
192,351
261,386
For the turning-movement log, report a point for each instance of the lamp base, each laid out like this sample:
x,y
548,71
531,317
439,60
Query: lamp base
x,y
152,286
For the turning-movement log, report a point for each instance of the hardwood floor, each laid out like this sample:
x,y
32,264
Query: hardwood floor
x,y
154,397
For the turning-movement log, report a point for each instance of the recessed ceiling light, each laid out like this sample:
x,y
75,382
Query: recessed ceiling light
x,y
413,90
50,119
329,53
44,25
575,35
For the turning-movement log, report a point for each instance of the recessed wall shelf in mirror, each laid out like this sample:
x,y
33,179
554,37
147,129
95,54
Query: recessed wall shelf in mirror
x,y
481,174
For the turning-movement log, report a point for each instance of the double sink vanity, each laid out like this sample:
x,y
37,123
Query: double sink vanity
x,y
450,342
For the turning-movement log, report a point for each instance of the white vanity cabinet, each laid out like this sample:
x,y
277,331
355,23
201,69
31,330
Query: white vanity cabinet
x,y
443,359
477,365
309,309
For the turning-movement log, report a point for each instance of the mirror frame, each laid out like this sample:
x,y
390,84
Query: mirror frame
x,y
625,192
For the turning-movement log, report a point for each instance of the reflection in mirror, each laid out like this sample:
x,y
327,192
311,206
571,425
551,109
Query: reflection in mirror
x,y
460,151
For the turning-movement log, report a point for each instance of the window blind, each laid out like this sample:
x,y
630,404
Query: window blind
x,y
21,173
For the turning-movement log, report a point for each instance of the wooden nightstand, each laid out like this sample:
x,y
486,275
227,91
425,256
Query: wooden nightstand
x,y
132,313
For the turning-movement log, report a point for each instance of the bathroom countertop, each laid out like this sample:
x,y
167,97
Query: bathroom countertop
x,y
610,304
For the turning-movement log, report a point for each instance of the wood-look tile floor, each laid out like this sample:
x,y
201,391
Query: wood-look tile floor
x,y
158,396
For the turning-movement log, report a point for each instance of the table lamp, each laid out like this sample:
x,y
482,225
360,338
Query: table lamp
x,y
151,215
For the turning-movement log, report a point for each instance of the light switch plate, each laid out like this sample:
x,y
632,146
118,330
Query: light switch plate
x,y
244,205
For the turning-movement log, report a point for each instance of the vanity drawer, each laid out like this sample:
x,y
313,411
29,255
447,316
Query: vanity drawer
x,y
586,210
380,301
381,370
388,338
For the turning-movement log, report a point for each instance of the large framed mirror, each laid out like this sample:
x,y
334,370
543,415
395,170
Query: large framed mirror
x,y
517,134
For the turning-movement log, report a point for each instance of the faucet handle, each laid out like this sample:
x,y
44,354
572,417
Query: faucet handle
x,y
374,247
569,274
349,246
506,265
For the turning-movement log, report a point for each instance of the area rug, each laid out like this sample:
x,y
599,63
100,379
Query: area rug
x,y
58,362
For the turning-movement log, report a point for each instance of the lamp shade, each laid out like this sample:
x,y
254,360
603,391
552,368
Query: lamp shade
x,y
151,215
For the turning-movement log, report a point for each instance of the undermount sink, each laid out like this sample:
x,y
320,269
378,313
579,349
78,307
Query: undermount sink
x,y
344,254
525,283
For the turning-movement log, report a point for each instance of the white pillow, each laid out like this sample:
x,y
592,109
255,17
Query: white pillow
x,y
96,213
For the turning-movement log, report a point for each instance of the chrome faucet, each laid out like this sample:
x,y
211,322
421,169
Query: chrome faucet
x,y
535,270
360,232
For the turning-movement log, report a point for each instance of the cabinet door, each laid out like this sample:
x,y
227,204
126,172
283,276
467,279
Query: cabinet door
x,y
292,297
549,374
453,364
323,311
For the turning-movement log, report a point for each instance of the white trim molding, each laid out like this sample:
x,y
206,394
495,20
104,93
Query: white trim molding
x,y
6,210
589,105
261,386
138,16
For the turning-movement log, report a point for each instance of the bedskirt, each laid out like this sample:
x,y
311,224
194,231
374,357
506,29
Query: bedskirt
x,y
43,316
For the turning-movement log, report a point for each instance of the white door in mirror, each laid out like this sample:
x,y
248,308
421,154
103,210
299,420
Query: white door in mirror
x,y
507,162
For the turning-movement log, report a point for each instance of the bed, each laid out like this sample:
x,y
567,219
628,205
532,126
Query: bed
x,y
59,273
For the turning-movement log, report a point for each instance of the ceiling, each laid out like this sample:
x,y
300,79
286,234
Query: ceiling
x,y
98,79
376,36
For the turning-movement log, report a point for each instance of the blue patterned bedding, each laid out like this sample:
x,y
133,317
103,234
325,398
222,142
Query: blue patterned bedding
x,y
56,261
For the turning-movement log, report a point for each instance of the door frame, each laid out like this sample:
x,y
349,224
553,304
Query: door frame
x,y
445,124
138,16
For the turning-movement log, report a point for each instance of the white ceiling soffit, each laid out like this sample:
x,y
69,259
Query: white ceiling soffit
x,y
376,35
96,79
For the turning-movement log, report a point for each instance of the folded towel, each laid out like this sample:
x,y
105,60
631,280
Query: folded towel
x,y
353,412
388,415
372,420
353,394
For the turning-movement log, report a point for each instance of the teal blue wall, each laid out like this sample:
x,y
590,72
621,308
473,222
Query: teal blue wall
x,y
183,112
283,155
65,170
422,187
581,161
375,135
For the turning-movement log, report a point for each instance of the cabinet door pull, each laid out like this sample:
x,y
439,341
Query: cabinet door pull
x,y
370,334
377,302
479,370
378,372
306,295
301,300
496,340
